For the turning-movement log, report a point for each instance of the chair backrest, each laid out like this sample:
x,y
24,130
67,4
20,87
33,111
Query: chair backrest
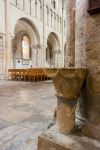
x,y
28,72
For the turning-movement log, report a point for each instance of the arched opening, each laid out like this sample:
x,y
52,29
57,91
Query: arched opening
x,y
26,38
52,50
26,48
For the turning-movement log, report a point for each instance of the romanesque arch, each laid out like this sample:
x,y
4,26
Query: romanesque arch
x,y
53,46
25,42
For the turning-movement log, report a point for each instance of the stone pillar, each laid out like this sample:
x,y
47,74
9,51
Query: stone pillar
x,y
44,34
67,83
70,41
62,30
8,38
80,44
80,51
66,114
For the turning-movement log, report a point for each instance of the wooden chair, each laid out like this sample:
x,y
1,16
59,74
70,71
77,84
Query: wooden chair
x,y
11,74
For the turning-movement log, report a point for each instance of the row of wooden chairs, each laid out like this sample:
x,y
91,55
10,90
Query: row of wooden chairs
x,y
36,74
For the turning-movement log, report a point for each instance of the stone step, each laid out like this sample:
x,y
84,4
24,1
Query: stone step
x,y
53,140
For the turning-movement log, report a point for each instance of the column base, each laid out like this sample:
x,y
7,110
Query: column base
x,y
53,140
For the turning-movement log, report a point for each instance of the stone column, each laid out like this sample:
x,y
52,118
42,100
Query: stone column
x,y
8,39
80,44
70,41
44,25
66,114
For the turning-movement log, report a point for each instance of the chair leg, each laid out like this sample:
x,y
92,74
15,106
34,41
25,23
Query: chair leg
x,y
41,78
33,78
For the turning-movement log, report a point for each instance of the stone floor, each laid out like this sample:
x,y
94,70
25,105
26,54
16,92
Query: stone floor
x,y
26,110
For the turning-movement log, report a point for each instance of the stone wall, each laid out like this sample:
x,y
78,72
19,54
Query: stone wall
x,y
88,50
93,63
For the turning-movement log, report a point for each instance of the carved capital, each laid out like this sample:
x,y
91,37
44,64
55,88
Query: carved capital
x,y
68,82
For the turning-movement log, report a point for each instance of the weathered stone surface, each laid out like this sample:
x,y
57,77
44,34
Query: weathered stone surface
x,y
70,38
68,84
53,140
92,40
80,38
93,73
93,82
91,131
66,115
88,51
45,144
92,106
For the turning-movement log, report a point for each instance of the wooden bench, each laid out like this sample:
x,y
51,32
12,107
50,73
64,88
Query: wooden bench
x,y
34,74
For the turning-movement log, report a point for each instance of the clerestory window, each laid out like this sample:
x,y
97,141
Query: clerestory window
x,y
53,2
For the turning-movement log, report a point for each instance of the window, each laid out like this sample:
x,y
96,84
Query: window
x,y
51,18
16,2
64,27
53,4
55,21
30,7
41,11
1,51
1,42
47,15
23,4
36,8
26,50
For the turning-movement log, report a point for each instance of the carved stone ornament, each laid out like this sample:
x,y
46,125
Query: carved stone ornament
x,y
67,81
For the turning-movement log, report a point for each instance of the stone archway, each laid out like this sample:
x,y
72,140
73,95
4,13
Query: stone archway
x,y
53,46
26,38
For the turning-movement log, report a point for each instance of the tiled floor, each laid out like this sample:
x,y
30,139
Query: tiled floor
x,y
26,110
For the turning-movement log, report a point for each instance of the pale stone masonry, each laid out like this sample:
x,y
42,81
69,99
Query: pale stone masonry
x,y
38,19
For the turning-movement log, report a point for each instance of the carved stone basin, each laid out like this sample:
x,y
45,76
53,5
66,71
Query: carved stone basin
x,y
68,83
51,72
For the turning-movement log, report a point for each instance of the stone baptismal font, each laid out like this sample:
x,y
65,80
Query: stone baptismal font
x,y
68,83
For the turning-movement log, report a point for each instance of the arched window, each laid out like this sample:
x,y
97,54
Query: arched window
x,y
26,49
36,8
53,2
